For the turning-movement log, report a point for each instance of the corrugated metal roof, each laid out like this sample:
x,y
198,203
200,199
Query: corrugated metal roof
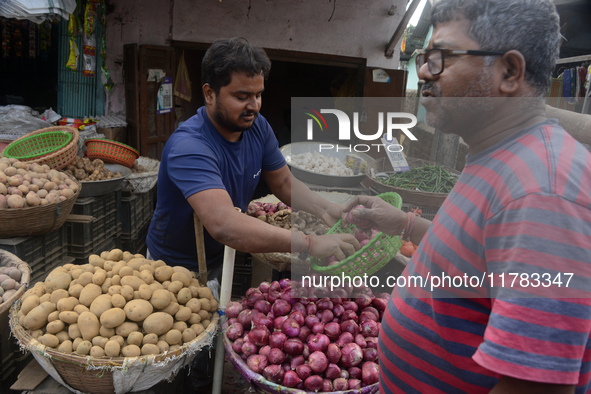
x,y
422,27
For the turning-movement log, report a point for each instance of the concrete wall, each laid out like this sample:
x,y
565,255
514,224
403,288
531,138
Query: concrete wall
x,y
344,28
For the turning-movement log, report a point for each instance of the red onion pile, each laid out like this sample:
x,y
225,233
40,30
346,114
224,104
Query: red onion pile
x,y
310,343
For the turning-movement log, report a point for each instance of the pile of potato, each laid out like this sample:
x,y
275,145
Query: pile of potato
x,y
28,185
10,278
87,171
118,304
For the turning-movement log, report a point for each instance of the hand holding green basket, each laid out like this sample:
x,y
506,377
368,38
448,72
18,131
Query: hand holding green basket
x,y
371,257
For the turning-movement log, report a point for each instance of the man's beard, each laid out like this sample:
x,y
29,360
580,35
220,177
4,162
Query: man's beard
x,y
225,122
465,112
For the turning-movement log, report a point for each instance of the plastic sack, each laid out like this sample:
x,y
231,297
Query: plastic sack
x,y
214,286
182,83
18,120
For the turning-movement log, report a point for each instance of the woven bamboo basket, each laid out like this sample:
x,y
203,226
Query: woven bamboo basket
x,y
24,222
62,157
8,259
262,385
414,197
111,374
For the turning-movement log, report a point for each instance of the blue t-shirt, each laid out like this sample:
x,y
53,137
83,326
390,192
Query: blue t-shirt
x,y
196,158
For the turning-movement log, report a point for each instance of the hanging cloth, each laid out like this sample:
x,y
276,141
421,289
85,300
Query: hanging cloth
x,y
182,83
582,76
567,86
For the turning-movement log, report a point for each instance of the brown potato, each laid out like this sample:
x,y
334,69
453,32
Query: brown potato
x,y
89,326
138,310
113,317
158,323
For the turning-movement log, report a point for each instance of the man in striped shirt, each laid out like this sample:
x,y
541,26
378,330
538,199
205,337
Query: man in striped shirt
x,y
518,219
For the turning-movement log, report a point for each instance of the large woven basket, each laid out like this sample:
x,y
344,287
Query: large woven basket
x,y
371,257
414,197
56,160
8,259
111,374
24,222
262,385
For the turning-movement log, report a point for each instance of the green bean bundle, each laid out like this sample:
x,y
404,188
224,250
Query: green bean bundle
x,y
429,178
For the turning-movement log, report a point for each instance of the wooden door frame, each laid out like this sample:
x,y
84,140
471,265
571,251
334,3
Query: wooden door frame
x,y
296,57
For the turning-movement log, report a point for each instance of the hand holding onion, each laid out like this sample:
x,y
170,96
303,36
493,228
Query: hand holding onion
x,y
372,211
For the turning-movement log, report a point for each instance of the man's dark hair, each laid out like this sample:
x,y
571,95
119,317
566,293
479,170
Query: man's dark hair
x,y
227,56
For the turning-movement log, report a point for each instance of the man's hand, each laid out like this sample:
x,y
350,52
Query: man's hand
x,y
332,214
339,245
386,218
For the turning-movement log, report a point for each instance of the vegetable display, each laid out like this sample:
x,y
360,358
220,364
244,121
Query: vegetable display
x,y
280,215
428,178
315,343
27,185
10,282
119,304
86,170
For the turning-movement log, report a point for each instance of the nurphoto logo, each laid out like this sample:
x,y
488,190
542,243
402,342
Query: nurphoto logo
x,y
392,120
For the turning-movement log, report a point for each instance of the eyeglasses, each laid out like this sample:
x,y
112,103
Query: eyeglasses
x,y
434,57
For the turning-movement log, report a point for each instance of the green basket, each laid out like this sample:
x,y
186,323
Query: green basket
x,y
371,257
38,145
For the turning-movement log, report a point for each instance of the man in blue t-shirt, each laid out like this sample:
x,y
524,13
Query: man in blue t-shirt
x,y
213,162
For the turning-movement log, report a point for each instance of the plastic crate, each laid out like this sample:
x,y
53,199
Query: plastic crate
x,y
136,210
80,253
136,244
98,206
9,350
242,278
44,267
85,236
34,249
41,267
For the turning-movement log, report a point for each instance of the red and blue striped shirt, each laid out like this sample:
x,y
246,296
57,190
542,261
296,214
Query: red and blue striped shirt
x,y
518,222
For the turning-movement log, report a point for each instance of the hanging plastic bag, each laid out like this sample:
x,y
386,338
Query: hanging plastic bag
x,y
89,56
182,83
72,62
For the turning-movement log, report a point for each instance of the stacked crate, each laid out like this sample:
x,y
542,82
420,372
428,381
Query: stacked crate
x,y
96,229
242,278
134,216
42,252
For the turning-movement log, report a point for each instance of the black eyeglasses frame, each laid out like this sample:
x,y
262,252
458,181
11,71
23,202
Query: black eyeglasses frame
x,y
423,56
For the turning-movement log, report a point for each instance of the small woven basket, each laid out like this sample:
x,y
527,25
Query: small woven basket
x,y
97,374
27,221
262,385
38,145
371,257
111,151
8,259
58,158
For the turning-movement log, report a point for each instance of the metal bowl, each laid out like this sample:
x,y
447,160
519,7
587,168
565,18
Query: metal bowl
x,y
317,178
98,188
